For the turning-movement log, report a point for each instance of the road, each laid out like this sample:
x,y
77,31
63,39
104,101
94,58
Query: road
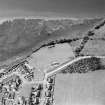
x,y
64,65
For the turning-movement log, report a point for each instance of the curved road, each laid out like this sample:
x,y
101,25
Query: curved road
x,y
61,67
64,65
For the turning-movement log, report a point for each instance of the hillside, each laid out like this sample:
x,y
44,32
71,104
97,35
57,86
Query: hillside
x,y
96,44
21,36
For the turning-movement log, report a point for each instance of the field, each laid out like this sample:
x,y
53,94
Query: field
x,y
49,57
80,89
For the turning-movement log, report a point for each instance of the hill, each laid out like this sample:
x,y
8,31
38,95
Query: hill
x,y
19,37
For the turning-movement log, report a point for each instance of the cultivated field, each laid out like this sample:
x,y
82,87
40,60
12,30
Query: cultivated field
x,y
80,89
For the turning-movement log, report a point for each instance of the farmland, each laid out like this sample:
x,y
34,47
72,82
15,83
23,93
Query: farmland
x,y
80,89
59,62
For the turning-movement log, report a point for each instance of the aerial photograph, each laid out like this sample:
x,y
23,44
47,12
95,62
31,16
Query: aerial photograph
x,y
52,52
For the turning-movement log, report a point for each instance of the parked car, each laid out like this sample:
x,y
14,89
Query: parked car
x,y
50,80
50,87
48,94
